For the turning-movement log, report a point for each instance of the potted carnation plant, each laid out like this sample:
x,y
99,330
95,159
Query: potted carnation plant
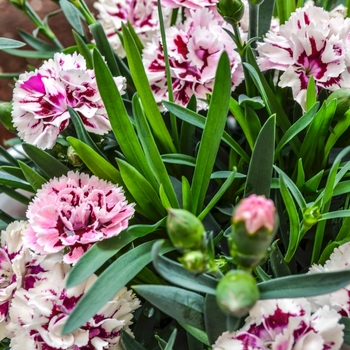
x,y
184,169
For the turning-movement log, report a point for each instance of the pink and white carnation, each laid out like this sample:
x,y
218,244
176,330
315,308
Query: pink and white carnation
x,y
310,43
39,314
41,99
194,49
19,268
190,4
141,14
72,212
285,324
340,299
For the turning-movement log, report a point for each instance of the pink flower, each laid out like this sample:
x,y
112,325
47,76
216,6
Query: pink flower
x,y
285,324
194,51
191,4
73,212
340,299
19,268
256,212
310,43
41,98
142,15
38,316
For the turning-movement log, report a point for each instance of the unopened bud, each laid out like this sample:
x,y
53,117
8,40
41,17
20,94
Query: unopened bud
x,y
195,261
311,216
253,229
236,293
231,10
73,157
185,230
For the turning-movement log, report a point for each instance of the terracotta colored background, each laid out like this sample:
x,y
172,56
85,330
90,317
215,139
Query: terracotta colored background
x,y
10,20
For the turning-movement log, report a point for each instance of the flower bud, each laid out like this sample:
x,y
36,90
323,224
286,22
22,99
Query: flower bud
x,y
73,157
185,230
253,229
311,216
195,261
231,10
236,293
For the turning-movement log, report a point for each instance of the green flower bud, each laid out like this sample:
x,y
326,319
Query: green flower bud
x,y
73,157
311,216
253,230
231,10
195,261
236,293
185,230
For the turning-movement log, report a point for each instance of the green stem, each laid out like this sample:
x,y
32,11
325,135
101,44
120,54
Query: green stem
x,y
84,10
253,22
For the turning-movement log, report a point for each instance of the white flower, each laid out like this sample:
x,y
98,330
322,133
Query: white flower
x,y
285,324
194,49
41,99
141,14
310,43
39,314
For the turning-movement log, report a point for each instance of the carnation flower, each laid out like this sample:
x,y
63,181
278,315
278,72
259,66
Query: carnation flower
x,y
41,98
191,4
73,212
285,324
19,268
141,14
339,299
38,316
194,49
310,43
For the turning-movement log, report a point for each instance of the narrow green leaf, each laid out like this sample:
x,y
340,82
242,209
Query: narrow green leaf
x,y
36,43
346,322
6,43
311,93
171,340
265,15
196,333
299,286
199,121
139,76
277,263
83,49
313,183
96,256
30,53
129,343
73,16
182,305
48,164
82,134
214,318
14,182
6,110
136,38
120,121
35,179
178,275
335,215
329,250
125,268
186,194
142,230
7,156
260,166
98,165
15,195
284,9
177,158
104,47
152,153
146,198
212,133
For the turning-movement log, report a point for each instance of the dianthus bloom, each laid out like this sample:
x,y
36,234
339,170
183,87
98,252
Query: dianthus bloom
x,y
41,98
339,299
39,314
310,43
194,49
19,268
285,324
191,4
73,212
141,14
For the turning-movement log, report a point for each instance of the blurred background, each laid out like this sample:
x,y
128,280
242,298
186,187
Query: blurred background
x,y
12,19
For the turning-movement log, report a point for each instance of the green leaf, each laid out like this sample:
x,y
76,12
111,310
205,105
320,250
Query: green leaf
x,y
212,133
98,165
313,183
177,158
73,16
146,198
308,285
140,79
104,47
5,115
182,305
311,93
196,333
346,322
83,49
129,343
142,230
285,9
6,43
265,15
152,153
122,126
277,263
7,156
48,164
35,179
186,194
260,166
107,285
199,121
30,53
96,256
178,275
15,195
15,182
82,134
214,318
36,43
171,341
329,250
